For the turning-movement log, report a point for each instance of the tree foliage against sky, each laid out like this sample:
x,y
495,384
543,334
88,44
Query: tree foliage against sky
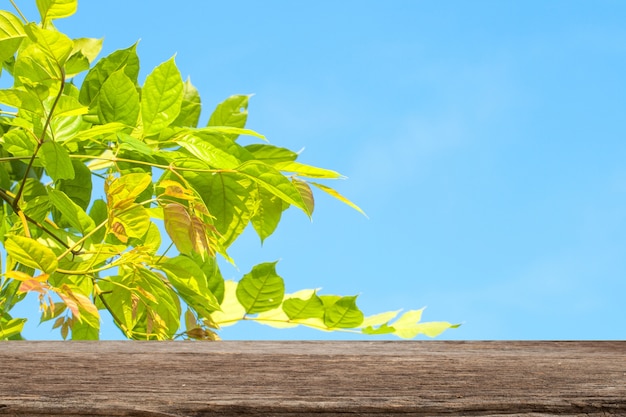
x,y
113,198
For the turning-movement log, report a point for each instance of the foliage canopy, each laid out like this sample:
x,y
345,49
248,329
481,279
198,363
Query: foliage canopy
x,y
96,168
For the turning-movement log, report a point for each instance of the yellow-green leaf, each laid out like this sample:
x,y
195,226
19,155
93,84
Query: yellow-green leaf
x,y
56,9
118,100
338,196
11,34
56,160
161,97
261,289
31,253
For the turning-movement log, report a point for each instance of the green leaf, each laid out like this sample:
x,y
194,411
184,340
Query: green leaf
x,y
304,170
67,120
123,191
11,34
338,196
273,181
71,212
56,160
56,9
306,193
19,143
31,253
231,112
124,59
191,283
189,108
225,196
271,154
37,70
267,215
88,47
343,314
128,142
10,328
297,308
85,331
215,281
134,219
37,208
79,188
215,151
76,64
118,100
229,131
145,305
161,97
261,289
52,42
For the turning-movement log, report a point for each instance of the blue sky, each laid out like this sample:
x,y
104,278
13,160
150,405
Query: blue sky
x,y
484,139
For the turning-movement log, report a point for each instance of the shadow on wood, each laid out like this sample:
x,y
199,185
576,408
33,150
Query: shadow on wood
x,y
426,378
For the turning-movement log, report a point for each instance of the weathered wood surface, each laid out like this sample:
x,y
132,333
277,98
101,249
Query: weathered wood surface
x,y
423,378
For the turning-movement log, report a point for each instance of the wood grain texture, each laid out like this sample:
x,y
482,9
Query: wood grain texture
x,y
425,378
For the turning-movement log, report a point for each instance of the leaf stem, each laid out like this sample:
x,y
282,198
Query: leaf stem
x,y
70,249
40,141
19,11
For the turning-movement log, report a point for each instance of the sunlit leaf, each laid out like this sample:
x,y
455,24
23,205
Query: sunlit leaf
x,y
267,215
225,196
213,152
161,97
19,143
81,306
191,283
135,220
338,196
11,34
54,43
297,308
56,160
189,108
304,170
56,9
123,191
231,309
343,314
23,276
31,253
271,154
379,319
407,326
124,59
71,212
11,328
306,193
178,225
231,112
273,181
261,289
85,331
88,47
128,142
118,100
79,188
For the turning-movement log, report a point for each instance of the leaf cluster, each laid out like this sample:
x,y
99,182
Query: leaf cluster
x,y
97,167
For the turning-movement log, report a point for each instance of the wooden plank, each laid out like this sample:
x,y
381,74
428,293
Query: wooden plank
x,y
424,378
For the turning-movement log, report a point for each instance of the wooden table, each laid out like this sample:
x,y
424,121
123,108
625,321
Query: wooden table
x,y
424,378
